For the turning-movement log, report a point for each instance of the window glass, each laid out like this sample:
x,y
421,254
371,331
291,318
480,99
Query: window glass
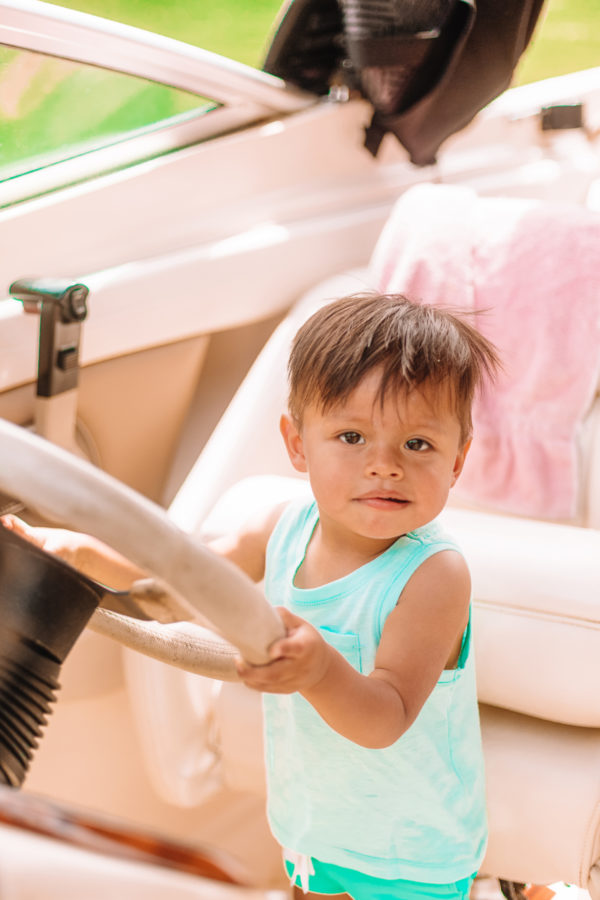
x,y
55,109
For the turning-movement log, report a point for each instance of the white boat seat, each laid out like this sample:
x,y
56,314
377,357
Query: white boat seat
x,y
537,635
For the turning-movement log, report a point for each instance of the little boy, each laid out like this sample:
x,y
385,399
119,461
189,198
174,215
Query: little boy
x,y
375,773
374,761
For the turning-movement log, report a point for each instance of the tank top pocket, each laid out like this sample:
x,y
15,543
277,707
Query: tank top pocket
x,y
346,643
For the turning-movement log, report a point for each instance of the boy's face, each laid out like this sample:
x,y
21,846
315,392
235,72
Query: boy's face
x,y
378,472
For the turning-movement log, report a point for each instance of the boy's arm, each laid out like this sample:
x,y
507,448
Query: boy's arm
x,y
419,639
247,547
82,551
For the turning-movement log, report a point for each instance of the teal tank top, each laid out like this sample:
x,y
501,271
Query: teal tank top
x,y
414,810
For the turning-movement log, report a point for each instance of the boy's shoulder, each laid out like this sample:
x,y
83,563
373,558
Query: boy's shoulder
x,y
246,546
433,533
292,516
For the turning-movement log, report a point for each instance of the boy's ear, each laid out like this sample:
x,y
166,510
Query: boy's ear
x,y
460,461
293,442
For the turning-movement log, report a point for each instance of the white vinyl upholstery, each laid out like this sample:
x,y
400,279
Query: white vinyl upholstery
x,y
536,591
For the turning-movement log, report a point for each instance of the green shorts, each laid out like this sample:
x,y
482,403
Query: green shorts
x,y
330,879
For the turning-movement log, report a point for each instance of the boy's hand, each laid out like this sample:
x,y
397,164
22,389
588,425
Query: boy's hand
x,y
82,551
58,541
300,660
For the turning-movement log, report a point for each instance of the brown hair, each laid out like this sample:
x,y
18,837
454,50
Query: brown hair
x,y
413,343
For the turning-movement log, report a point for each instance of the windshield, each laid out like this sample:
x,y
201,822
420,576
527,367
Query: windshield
x,y
56,109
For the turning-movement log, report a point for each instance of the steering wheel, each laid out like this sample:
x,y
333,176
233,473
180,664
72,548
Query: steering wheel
x,y
190,582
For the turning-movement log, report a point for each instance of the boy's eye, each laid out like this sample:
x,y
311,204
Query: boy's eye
x,y
351,437
417,444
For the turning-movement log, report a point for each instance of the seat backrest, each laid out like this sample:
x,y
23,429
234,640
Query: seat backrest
x,y
536,611
536,585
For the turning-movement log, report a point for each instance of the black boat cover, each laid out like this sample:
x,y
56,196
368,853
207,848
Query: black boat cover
x,y
426,66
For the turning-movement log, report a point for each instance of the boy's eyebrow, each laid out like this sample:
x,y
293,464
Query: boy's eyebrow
x,y
348,416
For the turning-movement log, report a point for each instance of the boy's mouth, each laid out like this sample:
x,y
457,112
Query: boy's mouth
x,y
383,501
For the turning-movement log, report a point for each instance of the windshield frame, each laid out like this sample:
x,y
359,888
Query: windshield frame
x,y
242,95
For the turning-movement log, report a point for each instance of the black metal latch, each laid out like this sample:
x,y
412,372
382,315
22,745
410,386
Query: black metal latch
x,y
561,116
62,307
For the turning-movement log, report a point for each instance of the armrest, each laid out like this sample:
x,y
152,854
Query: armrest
x,y
536,598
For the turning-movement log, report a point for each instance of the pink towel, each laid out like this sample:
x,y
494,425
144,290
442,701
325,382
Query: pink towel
x,y
536,269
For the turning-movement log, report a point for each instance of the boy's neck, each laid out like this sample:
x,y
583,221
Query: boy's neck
x,y
331,556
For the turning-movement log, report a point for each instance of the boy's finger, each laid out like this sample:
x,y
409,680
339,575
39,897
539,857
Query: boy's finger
x,y
276,651
13,523
286,647
288,618
247,669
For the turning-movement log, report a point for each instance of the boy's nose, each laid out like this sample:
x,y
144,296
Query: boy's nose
x,y
385,464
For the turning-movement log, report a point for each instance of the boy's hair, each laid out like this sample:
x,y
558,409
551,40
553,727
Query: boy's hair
x,y
413,343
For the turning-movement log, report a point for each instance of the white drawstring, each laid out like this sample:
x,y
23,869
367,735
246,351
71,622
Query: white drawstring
x,y
303,867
